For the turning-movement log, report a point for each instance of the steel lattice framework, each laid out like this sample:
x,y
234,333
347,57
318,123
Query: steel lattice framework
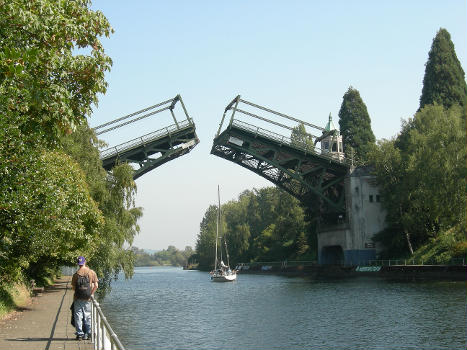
x,y
314,177
149,151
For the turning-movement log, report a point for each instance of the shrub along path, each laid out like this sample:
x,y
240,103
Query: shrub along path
x,y
45,323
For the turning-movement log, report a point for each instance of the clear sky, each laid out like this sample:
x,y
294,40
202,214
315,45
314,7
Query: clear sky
x,y
296,57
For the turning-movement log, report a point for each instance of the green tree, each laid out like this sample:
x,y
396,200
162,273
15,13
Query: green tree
x,y
114,194
423,185
52,68
301,138
206,240
265,224
355,126
47,84
444,80
46,214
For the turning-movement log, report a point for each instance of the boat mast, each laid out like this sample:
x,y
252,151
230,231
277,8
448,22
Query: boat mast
x,y
217,225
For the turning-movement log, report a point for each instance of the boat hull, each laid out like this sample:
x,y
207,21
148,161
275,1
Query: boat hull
x,y
223,278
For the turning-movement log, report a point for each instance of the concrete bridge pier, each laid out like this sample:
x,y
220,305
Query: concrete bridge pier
x,y
349,242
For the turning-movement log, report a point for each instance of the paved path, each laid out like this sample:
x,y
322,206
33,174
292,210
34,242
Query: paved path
x,y
45,324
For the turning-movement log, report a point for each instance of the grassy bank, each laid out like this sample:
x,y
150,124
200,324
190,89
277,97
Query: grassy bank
x,y
448,247
13,296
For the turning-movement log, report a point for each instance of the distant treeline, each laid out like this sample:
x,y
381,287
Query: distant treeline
x,y
166,257
262,225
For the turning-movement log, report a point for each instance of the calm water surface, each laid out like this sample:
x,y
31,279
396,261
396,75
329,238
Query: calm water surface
x,y
168,308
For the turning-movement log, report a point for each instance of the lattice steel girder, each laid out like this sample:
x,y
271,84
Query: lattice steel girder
x,y
315,180
149,155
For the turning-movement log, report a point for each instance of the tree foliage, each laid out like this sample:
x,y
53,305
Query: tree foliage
x,y
262,225
56,200
114,195
46,212
422,172
301,138
424,183
444,80
355,126
46,85
166,257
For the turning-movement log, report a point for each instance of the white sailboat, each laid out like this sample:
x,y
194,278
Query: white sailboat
x,y
221,272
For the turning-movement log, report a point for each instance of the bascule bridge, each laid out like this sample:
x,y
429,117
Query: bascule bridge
x,y
311,166
304,159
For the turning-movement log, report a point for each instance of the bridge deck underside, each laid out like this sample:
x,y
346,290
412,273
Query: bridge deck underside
x,y
148,155
316,180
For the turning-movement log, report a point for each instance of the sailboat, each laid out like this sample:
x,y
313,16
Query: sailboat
x,y
221,272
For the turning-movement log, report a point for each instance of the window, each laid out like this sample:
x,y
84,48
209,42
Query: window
x,y
378,198
371,198
326,145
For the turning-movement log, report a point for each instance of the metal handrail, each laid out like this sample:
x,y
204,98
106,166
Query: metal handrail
x,y
103,337
112,151
287,140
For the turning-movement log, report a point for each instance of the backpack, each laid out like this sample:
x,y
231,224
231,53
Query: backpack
x,y
83,287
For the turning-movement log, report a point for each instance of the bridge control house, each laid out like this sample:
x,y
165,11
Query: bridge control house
x,y
349,241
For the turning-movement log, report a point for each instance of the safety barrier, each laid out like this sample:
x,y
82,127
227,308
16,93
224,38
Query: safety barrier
x,y
103,337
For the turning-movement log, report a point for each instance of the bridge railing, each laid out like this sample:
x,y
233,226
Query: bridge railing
x,y
288,141
273,120
112,151
103,337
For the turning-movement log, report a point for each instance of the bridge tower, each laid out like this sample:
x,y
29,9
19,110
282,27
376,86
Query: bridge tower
x,y
349,240
331,141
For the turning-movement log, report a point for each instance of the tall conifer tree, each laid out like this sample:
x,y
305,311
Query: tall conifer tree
x,y
355,125
444,81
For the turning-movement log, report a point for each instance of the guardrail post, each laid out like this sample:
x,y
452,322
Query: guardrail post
x,y
98,336
93,324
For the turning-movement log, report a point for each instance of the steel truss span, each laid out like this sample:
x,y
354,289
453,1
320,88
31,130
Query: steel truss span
x,y
150,151
314,177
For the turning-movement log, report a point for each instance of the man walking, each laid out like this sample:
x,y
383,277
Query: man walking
x,y
84,283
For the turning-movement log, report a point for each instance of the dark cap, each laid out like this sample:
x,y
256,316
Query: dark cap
x,y
81,260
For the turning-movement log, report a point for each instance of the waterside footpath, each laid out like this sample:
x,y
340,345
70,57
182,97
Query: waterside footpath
x,y
456,272
45,323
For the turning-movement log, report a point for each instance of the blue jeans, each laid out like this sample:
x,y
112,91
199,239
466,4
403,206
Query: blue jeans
x,y
82,310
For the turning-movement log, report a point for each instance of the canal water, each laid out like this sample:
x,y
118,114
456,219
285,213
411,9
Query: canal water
x,y
169,308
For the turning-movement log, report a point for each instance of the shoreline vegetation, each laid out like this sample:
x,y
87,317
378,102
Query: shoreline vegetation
x,y
166,257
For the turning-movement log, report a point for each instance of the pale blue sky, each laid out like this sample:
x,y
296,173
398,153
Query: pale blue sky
x,y
296,57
